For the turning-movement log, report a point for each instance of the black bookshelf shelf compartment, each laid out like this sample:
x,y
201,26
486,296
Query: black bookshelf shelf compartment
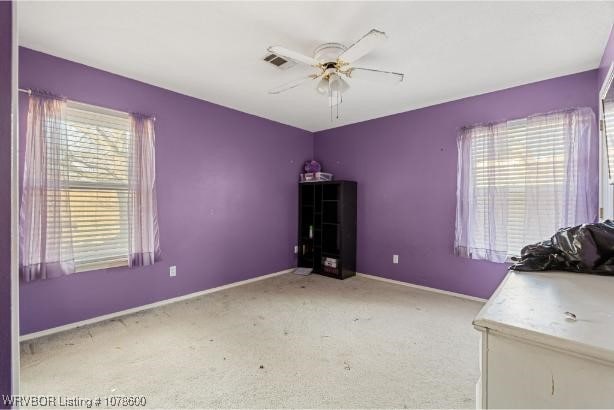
x,y
331,192
330,239
327,228
330,211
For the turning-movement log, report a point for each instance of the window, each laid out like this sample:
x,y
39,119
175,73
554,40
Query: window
x,y
526,161
608,128
520,181
89,193
606,174
606,147
96,163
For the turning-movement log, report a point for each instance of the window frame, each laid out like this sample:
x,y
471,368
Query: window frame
x,y
123,259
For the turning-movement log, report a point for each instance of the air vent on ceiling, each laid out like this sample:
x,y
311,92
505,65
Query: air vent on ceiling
x,y
278,61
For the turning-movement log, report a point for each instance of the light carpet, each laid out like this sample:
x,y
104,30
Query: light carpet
x,y
285,342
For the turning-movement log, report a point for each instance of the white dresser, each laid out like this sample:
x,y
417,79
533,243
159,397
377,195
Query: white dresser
x,y
535,355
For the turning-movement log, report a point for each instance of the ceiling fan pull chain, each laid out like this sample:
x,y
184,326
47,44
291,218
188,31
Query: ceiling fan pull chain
x,y
330,99
338,102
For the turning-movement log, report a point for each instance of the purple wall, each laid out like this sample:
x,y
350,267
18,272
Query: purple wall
x,y
6,36
606,60
227,196
405,166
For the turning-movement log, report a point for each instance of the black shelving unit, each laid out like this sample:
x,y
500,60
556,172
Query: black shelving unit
x,y
327,228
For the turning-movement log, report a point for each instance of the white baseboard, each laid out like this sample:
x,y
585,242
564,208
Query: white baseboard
x,y
97,319
443,292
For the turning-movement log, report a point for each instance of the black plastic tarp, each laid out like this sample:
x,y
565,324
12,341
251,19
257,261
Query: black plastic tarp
x,y
585,248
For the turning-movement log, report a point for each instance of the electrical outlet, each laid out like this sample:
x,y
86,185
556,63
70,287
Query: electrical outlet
x,y
395,258
295,248
172,271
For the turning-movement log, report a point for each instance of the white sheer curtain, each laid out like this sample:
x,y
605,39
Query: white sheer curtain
x,y
46,243
144,238
519,181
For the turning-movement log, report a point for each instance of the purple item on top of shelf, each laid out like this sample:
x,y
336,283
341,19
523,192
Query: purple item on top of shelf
x,y
312,166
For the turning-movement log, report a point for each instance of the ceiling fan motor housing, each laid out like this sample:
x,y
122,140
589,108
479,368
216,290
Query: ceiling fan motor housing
x,y
328,53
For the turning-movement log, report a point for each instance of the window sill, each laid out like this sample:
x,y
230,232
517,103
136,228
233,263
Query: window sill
x,y
85,267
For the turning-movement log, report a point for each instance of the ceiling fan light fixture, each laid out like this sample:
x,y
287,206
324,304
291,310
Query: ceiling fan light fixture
x,y
338,84
322,86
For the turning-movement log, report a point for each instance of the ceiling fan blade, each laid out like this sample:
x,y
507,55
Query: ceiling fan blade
x,y
291,84
363,46
375,75
293,55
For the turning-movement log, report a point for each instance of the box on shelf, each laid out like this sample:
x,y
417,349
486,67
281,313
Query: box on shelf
x,y
329,265
330,262
316,176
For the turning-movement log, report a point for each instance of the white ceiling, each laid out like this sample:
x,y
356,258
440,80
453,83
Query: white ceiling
x,y
214,50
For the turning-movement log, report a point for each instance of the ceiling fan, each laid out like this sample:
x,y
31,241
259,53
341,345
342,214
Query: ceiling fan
x,y
334,64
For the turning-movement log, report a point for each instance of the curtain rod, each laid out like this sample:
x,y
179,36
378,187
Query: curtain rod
x,y
29,92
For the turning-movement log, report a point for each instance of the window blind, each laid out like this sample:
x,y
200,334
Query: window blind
x,y
518,175
95,165
608,118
